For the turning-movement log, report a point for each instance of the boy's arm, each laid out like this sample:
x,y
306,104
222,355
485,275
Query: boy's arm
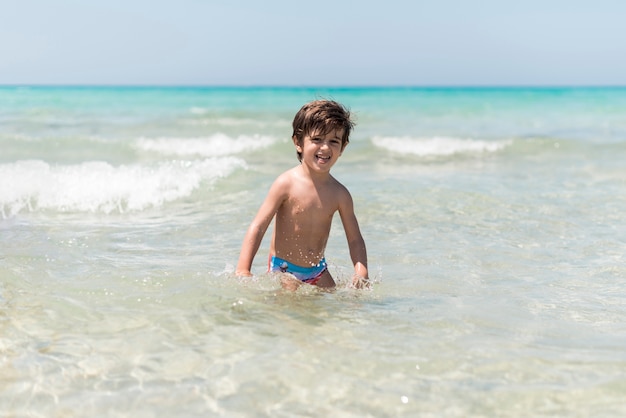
x,y
256,230
356,243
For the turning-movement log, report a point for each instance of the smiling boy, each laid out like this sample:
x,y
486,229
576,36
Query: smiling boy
x,y
303,201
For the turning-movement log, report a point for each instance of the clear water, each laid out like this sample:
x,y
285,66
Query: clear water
x,y
495,221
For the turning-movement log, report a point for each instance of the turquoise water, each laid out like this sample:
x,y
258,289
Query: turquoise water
x,y
494,219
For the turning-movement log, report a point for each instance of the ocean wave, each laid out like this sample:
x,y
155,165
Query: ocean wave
x,y
213,146
438,146
208,117
97,186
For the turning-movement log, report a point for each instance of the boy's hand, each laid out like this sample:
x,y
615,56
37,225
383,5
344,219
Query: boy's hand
x,y
360,282
243,273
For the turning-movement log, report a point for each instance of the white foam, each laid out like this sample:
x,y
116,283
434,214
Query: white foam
x,y
212,146
101,187
198,110
438,146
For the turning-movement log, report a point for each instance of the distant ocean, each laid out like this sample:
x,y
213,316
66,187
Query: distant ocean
x,y
495,220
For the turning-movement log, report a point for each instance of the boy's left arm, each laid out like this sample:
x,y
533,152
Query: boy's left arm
x,y
356,243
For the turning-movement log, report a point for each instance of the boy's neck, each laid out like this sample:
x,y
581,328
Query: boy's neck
x,y
316,177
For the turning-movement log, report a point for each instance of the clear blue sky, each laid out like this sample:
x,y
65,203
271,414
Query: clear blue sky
x,y
323,42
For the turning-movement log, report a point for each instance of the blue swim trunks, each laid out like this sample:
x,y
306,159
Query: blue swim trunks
x,y
308,275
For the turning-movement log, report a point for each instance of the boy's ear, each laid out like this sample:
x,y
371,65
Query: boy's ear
x,y
295,142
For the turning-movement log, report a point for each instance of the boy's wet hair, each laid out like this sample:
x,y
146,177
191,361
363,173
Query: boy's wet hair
x,y
321,117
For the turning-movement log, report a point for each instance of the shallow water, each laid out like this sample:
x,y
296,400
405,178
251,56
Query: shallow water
x,y
495,226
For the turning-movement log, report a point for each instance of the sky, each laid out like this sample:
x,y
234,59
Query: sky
x,y
313,43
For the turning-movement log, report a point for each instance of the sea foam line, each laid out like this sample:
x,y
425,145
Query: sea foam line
x,y
438,146
213,146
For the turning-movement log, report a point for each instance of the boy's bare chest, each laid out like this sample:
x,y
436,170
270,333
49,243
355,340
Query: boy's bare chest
x,y
312,204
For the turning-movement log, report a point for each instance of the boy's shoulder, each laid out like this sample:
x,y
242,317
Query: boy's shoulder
x,y
285,181
286,177
282,183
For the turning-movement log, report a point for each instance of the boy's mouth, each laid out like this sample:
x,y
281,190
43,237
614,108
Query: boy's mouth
x,y
322,157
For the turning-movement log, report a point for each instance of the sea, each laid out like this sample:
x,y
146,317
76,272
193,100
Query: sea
x,y
495,224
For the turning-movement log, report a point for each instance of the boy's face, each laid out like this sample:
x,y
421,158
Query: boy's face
x,y
321,151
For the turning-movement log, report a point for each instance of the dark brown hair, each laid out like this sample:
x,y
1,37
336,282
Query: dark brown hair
x,y
321,117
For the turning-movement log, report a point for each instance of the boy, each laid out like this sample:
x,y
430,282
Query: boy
x,y
304,199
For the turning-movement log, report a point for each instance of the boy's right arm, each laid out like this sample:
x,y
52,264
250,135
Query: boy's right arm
x,y
254,235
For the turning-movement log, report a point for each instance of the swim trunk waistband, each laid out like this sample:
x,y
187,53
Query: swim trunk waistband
x,y
308,275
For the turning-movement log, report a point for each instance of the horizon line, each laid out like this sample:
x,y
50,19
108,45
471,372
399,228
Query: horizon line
x,y
317,86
